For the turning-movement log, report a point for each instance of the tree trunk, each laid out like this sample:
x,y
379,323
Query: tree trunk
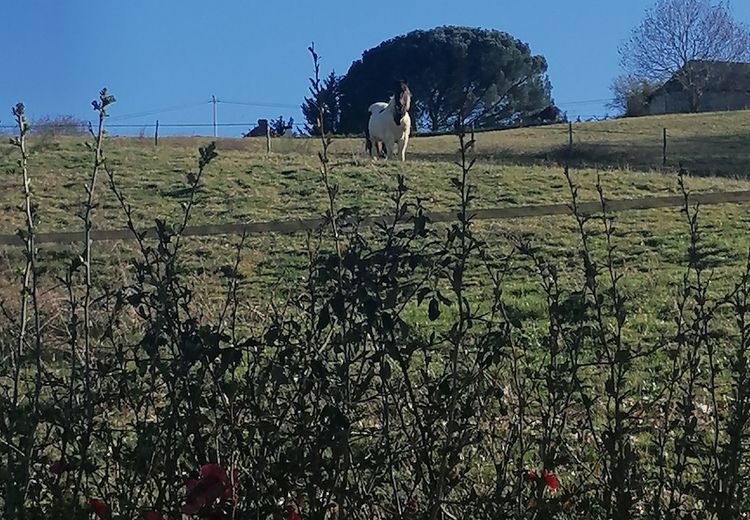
x,y
694,99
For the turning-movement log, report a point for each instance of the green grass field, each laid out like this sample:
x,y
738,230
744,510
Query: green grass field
x,y
516,167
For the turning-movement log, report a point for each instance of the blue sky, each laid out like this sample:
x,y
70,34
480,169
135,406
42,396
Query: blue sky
x,y
157,54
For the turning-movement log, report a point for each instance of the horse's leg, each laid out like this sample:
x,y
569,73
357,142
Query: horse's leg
x,y
368,138
402,144
375,152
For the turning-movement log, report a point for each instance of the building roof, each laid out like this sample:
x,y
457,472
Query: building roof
x,y
719,76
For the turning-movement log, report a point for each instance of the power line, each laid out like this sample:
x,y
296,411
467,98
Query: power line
x,y
257,104
584,102
269,104
157,111
152,125
180,125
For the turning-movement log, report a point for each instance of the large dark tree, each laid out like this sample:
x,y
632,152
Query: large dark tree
x,y
678,39
485,76
330,97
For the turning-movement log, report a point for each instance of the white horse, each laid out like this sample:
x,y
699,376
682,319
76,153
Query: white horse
x,y
390,123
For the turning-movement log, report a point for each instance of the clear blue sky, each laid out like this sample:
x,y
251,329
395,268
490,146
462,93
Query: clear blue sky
x,y
158,54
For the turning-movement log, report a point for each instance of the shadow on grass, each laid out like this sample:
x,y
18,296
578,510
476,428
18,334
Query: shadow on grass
x,y
716,157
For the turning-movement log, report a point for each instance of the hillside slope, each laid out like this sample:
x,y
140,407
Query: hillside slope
x,y
704,144
247,184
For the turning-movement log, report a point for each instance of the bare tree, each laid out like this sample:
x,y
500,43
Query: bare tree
x,y
630,95
677,38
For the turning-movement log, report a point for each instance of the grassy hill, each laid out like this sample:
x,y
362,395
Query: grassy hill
x,y
247,184
515,167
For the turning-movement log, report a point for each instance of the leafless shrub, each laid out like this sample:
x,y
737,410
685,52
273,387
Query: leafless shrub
x,y
59,126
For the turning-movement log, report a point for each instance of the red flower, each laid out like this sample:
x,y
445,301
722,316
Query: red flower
x,y
57,467
292,512
212,484
155,515
98,507
214,470
550,480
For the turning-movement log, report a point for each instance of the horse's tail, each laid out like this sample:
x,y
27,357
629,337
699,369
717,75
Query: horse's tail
x,y
368,141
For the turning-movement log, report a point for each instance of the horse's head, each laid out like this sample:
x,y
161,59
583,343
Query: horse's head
x,y
402,100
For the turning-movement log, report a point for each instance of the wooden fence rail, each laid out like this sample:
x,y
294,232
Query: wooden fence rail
x,y
295,226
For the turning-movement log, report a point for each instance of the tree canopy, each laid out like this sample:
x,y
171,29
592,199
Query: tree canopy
x,y
485,76
329,96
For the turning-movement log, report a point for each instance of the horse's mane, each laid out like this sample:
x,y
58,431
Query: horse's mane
x,y
402,99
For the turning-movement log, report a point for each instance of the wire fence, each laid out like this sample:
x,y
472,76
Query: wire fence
x,y
297,226
293,109
81,128
700,149
123,124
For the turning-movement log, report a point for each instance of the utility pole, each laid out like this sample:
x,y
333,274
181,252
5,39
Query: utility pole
x,y
213,101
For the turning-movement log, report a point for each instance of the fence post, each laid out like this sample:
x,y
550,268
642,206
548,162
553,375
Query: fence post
x,y
570,138
664,148
156,134
268,138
